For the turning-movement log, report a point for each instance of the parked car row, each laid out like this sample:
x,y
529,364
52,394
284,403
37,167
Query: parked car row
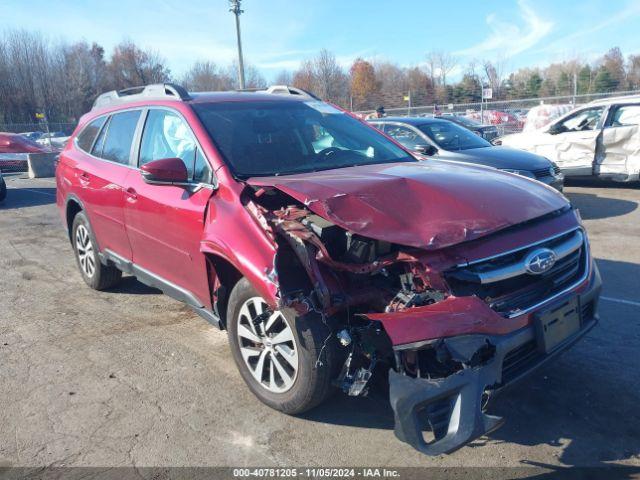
x,y
441,138
332,252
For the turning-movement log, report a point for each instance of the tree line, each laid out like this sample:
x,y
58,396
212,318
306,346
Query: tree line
x,y
62,79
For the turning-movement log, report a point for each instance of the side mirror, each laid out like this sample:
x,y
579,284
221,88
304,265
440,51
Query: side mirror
x,y
167,171
428,150
556,128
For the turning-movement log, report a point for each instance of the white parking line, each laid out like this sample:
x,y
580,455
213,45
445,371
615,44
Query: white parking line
x,y
619,300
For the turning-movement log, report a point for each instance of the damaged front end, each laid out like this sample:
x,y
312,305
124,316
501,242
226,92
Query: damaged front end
x,y
448,333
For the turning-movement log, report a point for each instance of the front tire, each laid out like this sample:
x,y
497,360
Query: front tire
x,y
286,360
94,273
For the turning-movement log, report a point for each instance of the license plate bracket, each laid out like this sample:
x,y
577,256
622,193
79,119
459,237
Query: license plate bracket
x,y
555,325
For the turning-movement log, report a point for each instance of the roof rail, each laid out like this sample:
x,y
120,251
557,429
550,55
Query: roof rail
x,y
281,90
287,90
156,91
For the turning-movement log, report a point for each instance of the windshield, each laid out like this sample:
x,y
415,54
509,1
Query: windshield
x,y
265,138
452,137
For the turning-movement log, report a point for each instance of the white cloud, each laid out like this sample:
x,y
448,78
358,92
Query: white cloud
x,y
568,42
509,39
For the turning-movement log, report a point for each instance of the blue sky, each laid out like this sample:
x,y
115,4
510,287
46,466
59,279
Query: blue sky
x,y
278,34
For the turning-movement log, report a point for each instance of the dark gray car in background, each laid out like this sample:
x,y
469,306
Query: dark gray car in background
x,y
488,132
446,140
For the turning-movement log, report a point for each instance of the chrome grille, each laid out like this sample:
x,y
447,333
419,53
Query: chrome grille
x,y
507,286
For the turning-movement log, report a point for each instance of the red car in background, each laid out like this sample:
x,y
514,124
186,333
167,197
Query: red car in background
x,y
14,149
16,143
506,122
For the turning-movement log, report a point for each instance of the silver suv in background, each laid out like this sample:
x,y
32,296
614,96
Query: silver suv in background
x,y
600,139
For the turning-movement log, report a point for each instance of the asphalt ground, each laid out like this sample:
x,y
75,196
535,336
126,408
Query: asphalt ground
x,y
130,377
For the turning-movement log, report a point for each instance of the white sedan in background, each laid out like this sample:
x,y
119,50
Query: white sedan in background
x,y
600,139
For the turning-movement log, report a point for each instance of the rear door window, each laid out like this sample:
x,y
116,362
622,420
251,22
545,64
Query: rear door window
x,y
119,137
99,143
626,115
404,135
89,134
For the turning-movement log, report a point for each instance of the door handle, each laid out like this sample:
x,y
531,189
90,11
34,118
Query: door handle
x,y
131,194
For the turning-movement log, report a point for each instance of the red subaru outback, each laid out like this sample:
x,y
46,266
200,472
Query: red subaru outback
x,y
328,252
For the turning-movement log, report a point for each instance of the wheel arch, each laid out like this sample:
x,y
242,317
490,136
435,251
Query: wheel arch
x,y
223,276
73,206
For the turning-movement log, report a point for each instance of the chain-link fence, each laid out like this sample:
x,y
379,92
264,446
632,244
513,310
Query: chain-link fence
x,y
508,116
40,127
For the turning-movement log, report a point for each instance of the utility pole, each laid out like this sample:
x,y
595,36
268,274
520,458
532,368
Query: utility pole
x,y
234,7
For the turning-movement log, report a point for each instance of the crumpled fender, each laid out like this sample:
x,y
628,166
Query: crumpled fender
x,y
620,152
237,237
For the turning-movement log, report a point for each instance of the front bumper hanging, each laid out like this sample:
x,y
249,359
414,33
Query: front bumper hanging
x,y
452,407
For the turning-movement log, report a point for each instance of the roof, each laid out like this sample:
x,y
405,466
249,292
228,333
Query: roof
x,y
176,93
410,120
621,99
209,97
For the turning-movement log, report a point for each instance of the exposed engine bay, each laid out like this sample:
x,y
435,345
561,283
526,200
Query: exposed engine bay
x,y
322,267
379,297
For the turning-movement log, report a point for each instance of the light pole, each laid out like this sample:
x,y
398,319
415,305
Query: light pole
x,y
234,7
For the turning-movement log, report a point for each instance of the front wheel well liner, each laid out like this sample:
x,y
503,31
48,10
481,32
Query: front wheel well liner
x,y
73,208
227,276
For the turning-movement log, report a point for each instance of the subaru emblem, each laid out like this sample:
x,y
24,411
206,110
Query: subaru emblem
x,y
539,261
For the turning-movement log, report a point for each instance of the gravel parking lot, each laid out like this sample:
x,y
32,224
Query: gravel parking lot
x,y
132,377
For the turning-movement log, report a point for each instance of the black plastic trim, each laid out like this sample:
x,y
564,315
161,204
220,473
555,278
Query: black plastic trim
x,y
465,388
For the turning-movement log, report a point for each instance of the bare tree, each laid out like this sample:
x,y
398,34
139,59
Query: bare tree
x,y
494,75
284,77
438,65
446,63
304,77
130,66
330,80
323,76
633,71
206,77
431,66
85,76
252,77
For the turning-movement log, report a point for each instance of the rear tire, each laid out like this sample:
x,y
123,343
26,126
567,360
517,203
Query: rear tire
x,y
94,273
286,360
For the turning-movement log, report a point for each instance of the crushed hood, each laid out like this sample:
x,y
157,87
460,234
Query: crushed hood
x,y
428,205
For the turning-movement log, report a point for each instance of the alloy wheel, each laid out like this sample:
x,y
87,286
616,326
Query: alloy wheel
x,y
267,345
84,247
